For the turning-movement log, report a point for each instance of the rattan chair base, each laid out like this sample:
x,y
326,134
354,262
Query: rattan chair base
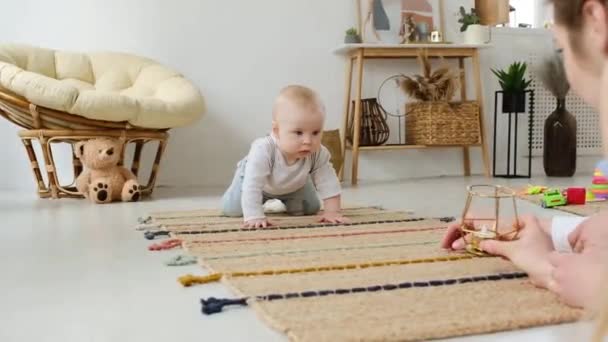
x,y
52,188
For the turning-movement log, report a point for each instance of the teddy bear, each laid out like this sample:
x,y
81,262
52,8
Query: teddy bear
x,y
103,180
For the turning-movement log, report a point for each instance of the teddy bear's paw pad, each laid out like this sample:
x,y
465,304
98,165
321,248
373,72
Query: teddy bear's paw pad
x,y
101,191
134,193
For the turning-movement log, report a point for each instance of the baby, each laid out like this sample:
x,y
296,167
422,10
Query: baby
x,y
290,165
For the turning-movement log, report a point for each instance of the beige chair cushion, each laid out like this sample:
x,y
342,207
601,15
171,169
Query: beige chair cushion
x,y
102,86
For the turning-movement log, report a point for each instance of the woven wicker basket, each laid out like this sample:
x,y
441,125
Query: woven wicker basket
x,y
442,123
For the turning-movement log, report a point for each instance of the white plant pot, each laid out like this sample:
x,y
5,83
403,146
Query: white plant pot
x,y
477,34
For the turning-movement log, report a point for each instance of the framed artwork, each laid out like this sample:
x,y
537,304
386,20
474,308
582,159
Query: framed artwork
x,y
389,21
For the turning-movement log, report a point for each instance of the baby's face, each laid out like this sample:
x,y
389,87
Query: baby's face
x,y
298,132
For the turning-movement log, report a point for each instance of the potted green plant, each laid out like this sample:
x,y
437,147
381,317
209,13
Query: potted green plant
x,y
352,36
513,83
474,32
467,19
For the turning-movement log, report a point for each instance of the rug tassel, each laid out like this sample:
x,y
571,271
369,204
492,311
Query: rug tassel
x,y
213,305
153,235
189,279
147,226
181,260
165,245
144,220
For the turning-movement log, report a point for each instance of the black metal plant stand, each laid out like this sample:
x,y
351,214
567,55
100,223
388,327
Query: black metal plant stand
x,y
514,174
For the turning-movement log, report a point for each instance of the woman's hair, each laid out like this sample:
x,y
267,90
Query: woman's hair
x,y
568,13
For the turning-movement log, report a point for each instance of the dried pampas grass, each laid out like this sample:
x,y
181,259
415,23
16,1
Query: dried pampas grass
x,y
553,76
438,85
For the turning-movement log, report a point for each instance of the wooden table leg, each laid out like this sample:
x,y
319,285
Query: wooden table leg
x,y
479,94
466,159
357,119
347,89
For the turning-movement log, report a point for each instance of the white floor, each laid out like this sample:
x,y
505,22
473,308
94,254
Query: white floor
x,y
75,271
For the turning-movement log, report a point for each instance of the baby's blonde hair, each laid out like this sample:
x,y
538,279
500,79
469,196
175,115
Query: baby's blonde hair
x,y
299,96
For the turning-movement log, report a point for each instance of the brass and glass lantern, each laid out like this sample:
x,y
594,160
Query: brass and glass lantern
x,y
490,212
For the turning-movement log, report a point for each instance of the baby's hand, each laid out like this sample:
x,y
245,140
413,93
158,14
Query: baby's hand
x,y
258,223
333,217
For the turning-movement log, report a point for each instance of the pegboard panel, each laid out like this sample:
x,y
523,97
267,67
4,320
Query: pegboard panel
x,y
587,120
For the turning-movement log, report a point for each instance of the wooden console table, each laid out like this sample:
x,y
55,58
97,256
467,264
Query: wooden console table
x,y
357,54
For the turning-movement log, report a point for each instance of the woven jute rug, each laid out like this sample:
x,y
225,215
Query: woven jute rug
x,y
587,209
381,277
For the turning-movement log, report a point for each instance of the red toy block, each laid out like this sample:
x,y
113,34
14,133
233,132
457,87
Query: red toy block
x,y
576,195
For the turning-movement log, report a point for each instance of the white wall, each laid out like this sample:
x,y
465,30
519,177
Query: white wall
x,y
240,53
531,12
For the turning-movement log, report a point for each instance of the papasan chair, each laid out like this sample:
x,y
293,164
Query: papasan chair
x,y
66,97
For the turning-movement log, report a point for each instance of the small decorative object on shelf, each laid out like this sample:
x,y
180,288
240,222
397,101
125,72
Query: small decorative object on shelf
x,y
374,128
408,30
434,120
474,32
352,36
436,37
475,229
422,31
559,145
467,19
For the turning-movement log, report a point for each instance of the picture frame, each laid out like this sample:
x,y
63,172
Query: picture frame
x,y
385,21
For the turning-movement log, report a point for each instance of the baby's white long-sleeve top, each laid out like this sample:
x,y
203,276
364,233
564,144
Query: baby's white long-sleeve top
x,y
267,172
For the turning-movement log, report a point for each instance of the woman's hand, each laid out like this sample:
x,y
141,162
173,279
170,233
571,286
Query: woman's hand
x,y
530,251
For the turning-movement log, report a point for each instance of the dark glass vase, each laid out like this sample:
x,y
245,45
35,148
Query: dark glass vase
x,y
559,156
514,102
